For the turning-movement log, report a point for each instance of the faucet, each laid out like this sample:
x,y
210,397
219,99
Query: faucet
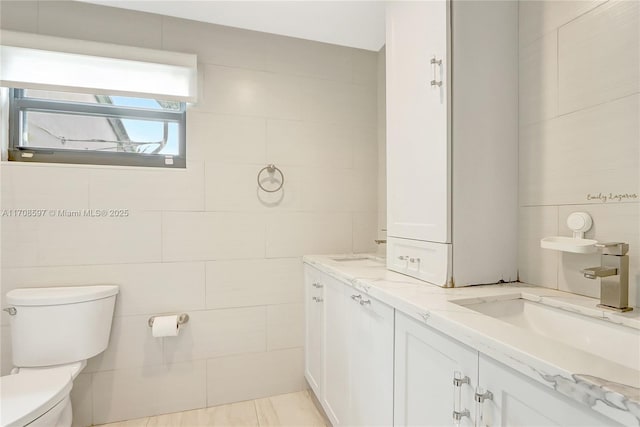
x,y
614,276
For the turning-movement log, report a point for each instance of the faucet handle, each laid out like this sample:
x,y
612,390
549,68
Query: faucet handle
x,y
613,248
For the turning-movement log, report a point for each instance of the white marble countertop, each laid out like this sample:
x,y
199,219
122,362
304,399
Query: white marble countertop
x,y
609,388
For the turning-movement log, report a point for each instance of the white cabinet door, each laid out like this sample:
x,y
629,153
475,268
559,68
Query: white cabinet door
x,y
425,364
314,328
418,166
336,396
371,362
521,401
358,357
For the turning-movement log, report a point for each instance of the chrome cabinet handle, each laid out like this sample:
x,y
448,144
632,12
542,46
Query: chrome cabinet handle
x,y
435,63
356,297
317,299
414,260
403,257
480,396
365,302
316,285
11,310
458,412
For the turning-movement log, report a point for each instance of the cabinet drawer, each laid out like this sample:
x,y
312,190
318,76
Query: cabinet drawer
x,y
426,261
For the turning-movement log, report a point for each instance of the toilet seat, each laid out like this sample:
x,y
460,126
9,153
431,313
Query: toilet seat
x,y
28,395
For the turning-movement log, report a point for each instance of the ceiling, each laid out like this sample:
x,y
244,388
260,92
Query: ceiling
x,y
357,24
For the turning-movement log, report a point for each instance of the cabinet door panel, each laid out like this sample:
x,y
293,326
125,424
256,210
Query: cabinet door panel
x,y
336,397
425,363
371,363
418,166
314,328
521,401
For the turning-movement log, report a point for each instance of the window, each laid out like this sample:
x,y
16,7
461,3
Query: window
x,y
64,127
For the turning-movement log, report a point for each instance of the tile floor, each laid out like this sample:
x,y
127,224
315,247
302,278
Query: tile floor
x,y
293,409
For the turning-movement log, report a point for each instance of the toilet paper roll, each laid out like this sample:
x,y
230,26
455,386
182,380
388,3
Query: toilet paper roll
x,y
165,326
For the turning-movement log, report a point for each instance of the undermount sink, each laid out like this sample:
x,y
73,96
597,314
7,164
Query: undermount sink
x,y
618,343
359,261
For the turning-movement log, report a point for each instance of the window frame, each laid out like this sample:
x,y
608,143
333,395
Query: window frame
x,y
18,105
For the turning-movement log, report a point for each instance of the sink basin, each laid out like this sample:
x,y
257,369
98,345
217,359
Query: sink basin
x,y
618,343
359,261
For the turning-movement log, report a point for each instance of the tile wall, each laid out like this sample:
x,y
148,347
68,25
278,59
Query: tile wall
x,y
579,135
203,240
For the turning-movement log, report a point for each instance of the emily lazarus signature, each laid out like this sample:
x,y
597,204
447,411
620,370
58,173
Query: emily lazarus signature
x,y
607,197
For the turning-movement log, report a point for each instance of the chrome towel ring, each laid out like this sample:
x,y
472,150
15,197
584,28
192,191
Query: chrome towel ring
x,y
271,169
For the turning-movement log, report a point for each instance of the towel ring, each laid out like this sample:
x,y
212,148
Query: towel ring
x,y
271,168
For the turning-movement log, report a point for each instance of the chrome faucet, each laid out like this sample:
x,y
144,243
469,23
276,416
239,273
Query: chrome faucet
x,y
614,276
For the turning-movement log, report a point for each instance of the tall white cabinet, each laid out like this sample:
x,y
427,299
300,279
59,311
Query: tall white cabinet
x,y
451,75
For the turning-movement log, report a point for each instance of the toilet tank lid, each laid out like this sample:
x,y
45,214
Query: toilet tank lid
x,y
59,295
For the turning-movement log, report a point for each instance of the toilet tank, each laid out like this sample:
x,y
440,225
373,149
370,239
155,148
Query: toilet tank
x,y
55,326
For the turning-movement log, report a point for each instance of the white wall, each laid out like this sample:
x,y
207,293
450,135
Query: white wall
x,y
203,240
579,134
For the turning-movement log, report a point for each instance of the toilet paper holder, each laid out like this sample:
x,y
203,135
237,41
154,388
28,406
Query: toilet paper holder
x,y
182,319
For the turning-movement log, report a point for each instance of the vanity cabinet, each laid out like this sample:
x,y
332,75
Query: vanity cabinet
x,y
355,356
426,363
452,139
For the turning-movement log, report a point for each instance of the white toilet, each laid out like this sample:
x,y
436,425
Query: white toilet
x,y
53,333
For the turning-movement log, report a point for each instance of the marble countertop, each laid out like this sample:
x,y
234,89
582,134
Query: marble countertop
x,y
608,387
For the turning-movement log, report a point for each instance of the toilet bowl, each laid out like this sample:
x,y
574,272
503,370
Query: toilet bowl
x,y
53,331
35,398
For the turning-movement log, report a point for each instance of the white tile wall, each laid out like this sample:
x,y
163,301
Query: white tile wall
x,y
133,393
82,397
599,56
215,333
149,189
203,240
38,187
33,242
222,138
285,326
564,159
579,136
538,17
211,235
244,283
538,87
251,376
296,234
537,266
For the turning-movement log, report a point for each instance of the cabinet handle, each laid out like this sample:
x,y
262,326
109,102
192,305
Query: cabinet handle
x,y
458,413
356,297
317,299
365,302
316,285
414,260
480,396
403,257
435,63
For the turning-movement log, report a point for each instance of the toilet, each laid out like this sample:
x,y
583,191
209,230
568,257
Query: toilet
x,y
53,333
